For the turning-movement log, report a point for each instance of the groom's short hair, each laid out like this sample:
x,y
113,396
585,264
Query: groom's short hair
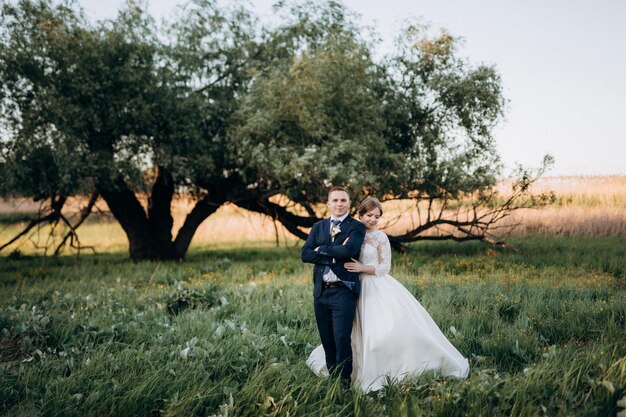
x,y
338,188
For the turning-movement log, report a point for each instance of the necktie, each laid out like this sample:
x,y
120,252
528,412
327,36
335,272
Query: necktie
x,y
334,223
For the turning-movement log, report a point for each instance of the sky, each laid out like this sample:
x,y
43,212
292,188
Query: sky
x,y
562,65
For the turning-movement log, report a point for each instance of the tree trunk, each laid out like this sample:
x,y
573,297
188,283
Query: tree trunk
x,y
150,234
203,209
160,219
149,237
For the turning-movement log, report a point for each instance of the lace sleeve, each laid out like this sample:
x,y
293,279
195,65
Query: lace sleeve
x,y
384,255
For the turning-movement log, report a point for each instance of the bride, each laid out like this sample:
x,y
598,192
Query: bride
x,y
393,336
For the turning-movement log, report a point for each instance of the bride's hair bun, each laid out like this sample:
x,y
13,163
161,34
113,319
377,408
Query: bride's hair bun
x,y
368,204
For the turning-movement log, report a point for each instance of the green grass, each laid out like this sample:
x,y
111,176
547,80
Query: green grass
x,y
227,333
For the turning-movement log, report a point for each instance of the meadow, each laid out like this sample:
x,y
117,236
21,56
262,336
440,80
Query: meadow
x,y
226,333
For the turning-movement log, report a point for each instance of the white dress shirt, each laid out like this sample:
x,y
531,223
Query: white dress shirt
x,y
330,275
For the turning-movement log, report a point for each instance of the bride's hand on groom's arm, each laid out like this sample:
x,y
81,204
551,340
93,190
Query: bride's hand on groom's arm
x,y
356,266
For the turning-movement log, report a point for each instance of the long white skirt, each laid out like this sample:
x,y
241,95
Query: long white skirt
x,y
393,337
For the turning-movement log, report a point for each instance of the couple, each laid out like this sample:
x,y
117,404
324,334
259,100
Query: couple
x,y
372,329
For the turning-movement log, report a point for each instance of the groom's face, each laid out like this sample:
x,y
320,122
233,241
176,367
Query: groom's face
x,y
338,203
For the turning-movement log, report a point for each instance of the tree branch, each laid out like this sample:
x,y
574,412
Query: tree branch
x,y
84,213
203,209
292,222
56,204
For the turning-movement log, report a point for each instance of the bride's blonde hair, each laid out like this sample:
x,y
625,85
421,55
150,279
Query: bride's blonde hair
x,y
368,204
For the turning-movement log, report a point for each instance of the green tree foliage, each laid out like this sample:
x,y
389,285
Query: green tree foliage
x,y
111,109
416,125
218,106
312,123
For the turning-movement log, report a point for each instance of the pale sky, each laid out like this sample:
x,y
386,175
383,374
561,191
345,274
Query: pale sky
x,y
562,63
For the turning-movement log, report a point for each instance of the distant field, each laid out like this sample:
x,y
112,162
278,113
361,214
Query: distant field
x,y
584,206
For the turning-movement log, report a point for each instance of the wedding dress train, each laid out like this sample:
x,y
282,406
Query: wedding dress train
x,y
393,336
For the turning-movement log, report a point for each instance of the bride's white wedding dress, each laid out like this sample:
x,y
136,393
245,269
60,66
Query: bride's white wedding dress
x,y
393,336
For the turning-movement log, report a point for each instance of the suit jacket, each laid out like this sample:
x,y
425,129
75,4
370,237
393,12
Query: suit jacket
x,y
319,237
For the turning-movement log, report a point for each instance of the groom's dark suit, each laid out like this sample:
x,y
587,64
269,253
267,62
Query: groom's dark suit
x,y
335,307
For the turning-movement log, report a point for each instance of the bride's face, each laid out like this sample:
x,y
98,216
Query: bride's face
x,y
370,219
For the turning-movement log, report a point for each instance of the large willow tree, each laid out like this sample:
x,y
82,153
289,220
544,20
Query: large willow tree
x,y
112,110
415,126
217,106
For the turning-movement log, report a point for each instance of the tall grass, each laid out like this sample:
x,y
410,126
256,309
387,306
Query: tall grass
x,y
227,332
582,191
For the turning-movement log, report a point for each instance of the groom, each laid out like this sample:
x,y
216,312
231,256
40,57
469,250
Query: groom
x,y
331,243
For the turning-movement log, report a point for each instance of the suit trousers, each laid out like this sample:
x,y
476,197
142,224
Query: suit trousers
x,y
334,313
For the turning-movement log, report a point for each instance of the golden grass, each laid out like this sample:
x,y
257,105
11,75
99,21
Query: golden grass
x,y
580,191
585,206
569,221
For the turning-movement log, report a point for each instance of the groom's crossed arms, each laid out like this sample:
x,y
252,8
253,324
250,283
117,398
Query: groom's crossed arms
x,y
324,254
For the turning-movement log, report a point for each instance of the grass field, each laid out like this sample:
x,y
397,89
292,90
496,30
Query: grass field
x,y
226,333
